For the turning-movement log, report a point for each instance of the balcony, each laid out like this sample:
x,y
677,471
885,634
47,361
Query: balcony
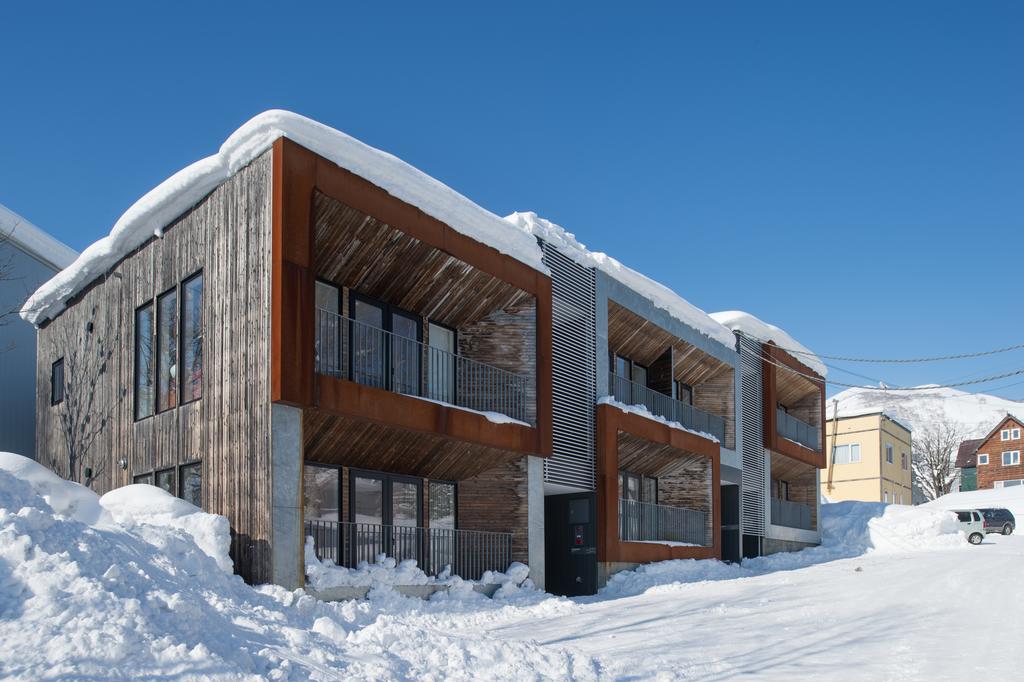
x,y
359,352
795,430
469,553
791,514
630,393
644,522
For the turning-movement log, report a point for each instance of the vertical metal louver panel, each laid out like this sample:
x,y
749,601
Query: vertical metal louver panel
x,y
574,371
752,502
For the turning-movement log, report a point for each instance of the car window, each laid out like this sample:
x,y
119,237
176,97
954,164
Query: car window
x,y
990,515
977,516
964,516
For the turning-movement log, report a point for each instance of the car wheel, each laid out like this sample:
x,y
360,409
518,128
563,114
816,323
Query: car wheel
x,y
1007,529
975,538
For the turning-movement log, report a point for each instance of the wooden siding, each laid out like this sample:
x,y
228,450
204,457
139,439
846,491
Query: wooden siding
x,y
717,395
994,447
227,235
496,500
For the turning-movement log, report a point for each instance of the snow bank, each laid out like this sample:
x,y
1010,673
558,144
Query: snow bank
x,y
660,295
848,529
133,596
1007,498
740,321
160,206
644,412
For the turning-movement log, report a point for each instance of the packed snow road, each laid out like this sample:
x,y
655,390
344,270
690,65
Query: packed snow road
x,y
940,615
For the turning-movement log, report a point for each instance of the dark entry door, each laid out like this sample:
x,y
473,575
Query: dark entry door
x,y
570,543
386,513
730,515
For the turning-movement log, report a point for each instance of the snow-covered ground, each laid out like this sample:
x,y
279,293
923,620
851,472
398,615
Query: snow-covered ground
x,y
133,585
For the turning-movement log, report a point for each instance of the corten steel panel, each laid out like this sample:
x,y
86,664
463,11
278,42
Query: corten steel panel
x,y
610,421
348,398
773,356
297,173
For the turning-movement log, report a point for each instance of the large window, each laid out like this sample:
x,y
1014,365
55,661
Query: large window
x,y
57,382
847,454
144,361
174,373
167,351
192,338
190,483
889,453
1011,458
165,480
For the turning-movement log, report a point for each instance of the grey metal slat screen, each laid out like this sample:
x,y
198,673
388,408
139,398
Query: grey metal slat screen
x,y
752,496
574,371
469,553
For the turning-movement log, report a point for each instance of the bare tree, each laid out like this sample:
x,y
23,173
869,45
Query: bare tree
x,y
934,459
83,415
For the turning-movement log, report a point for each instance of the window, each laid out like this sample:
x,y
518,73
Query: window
x,y
847,454
903,461
1014,434
1004,434
1009,484
982,459
638,488
885,497
321,493
639,374
165,480
1011,458
622,366
190,483
442,505
145,479
901,498
888,453
57,382
441,360
167,351
192,338
684,393
144,361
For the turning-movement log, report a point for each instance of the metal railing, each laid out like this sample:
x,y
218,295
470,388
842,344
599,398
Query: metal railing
x,y
469,553
349,349
631,393
792,428
791,514
640,521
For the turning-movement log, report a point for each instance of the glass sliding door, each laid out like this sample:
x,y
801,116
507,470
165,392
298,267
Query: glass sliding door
x,y
321,509
386,514
405,353
368,518
405,520
441,363
368,343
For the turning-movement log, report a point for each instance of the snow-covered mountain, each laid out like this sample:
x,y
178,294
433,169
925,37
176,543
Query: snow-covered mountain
x,y
976,413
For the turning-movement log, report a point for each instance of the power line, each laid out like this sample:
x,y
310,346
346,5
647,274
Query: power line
x,y
937,358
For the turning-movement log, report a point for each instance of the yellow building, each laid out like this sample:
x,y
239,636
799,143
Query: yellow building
x,y
868,459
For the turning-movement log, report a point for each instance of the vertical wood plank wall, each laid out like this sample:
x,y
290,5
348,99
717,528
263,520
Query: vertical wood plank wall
x,y
227,235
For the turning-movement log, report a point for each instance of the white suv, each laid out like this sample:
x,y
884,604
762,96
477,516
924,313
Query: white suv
x,y
972,523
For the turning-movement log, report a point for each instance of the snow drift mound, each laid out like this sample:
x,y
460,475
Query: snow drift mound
x,y
848,529
132,586
1007,498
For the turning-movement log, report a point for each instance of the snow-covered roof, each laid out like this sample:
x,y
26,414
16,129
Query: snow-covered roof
x,y
660,295
740,321
157,208
29,238
844,413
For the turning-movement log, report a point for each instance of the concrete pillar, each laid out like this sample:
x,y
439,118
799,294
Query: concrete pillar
x,y
535,518
286,494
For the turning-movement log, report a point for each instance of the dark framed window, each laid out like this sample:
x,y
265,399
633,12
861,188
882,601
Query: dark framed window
x,y
144,394
385,499
684,392
167,350
384,345
192,338
190,483
321,493
638,488
443,502
164,479
146,479
57,382
442,358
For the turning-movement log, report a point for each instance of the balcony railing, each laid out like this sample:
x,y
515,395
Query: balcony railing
x,y
630,393
349,349
791,514
469,553
792,428
641,521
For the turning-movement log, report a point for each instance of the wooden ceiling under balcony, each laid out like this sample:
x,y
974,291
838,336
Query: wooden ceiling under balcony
x,y
789,469
641,456
792,388
644,342
344,441
355,250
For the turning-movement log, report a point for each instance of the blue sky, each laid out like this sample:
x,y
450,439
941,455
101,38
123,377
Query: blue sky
x,y
852,172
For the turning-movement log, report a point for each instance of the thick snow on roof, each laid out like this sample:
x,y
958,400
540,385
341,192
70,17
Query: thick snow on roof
x,y
33,240
739,321
660,295
975,414
156,209
831,410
